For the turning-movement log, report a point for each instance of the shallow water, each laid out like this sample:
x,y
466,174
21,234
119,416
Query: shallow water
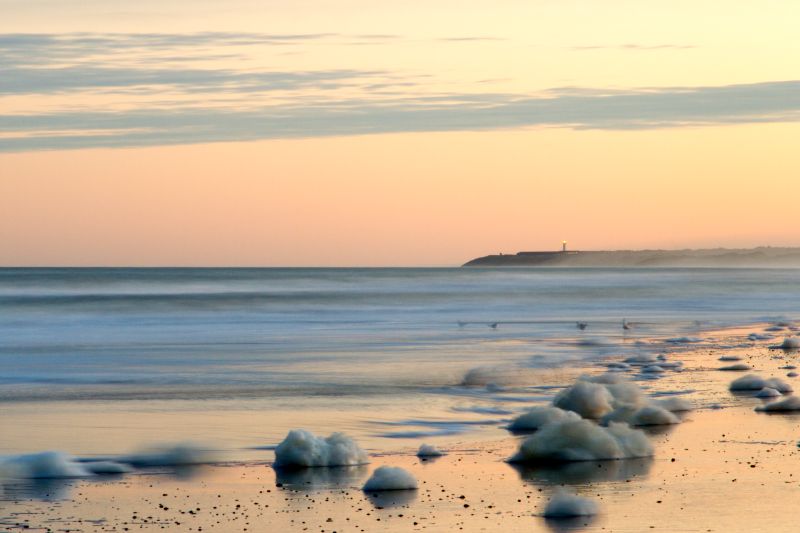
x,y
99,361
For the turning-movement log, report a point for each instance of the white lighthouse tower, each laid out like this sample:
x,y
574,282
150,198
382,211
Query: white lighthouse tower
x,y
564,247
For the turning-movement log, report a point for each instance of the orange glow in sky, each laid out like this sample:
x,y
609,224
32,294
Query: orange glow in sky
x,y
392,133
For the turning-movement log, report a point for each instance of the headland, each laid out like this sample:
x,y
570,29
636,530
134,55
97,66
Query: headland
x,y
786,257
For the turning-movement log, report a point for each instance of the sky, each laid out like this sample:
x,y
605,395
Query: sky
x,y
389,133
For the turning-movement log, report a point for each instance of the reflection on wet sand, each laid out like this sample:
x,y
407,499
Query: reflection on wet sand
x,y
566,525
336,477
48,490
583,472
392,498
58,489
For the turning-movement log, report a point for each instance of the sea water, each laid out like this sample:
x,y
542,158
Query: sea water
x,y
101,361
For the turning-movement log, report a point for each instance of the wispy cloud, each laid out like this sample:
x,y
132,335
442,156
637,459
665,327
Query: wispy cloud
x,y
59,80
651,108
633,47
31,49
470,38
121,90
38,49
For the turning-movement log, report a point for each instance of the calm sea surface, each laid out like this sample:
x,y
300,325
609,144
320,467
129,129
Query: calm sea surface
x,y
96,361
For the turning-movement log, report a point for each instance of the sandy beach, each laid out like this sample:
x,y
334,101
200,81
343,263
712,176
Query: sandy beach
x,y
726,467
393,266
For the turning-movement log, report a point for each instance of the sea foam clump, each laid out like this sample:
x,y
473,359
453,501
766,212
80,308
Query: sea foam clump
x,y
539,416
610,398
495,377
790,343
303,449
684,340
429,450
186,454
583,440
43,465
753,382
792,403
739,367
627,393
607,378
589,400
106,467
390,478
675,405
565,505
642,359
649,415
671,365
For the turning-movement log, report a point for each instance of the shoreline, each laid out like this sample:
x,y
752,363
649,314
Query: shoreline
x,y
722,455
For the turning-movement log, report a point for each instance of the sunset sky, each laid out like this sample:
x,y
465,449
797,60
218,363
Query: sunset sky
x,y
371,132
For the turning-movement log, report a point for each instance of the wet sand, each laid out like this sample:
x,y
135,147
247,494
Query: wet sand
x,y
725,468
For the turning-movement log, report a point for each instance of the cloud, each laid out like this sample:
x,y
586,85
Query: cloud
x,y
59,80
634,47
85,90
108,50
42,49
579,109
470,38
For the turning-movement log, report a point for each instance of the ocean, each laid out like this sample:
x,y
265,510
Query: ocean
x,y
101,361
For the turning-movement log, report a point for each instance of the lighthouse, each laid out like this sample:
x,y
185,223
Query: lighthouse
x,y
563,246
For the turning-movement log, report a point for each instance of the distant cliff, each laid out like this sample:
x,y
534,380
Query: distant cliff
x,y
718,257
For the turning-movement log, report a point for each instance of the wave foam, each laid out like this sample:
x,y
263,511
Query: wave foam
x,y
792,403
753,382
674,405
649,415
390,478
589,400
790,343
106,467
740,367
303,449
186,454
429,450
768,392
583,440
539,416
43,465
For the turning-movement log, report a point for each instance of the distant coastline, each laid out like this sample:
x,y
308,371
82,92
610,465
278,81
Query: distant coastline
x,y
712,257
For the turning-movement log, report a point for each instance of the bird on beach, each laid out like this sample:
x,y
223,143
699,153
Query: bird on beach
x,y
582,325
625,324
493,325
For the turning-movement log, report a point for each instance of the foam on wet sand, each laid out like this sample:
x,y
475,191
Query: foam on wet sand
x,y
390,478
537,417
582,440
303,449
472,486
42,465
429,450
753,382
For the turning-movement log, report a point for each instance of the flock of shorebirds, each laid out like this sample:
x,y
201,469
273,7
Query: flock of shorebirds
x,y
580,325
